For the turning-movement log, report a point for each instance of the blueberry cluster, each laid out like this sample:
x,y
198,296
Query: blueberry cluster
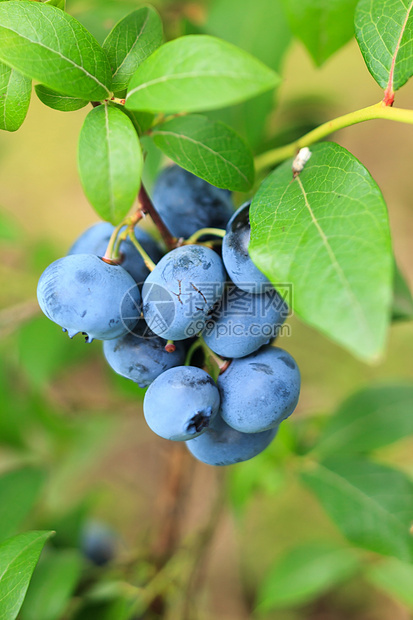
x,y
155,313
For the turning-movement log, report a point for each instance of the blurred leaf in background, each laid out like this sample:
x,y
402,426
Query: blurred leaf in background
x,y
304,573
261,29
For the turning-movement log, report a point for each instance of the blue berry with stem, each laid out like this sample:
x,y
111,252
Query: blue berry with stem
x,y
259,391
181,403
83,293
95,239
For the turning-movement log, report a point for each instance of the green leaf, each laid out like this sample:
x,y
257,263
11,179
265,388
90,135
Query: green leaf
x,y
261,29
18,557
304,573
371,419
15,92
210,150
258,28
327,233
60,4
142,121
395,578
402,298
153,161
384,32
110,162
54,581
197,72
45,44
58,101
371,504
19,491
323,27
131,41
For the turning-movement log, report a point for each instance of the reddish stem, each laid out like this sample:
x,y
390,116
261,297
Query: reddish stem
x,y
388,99
224,366
147,207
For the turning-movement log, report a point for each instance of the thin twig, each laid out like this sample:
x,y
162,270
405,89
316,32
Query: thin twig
x,y
147,207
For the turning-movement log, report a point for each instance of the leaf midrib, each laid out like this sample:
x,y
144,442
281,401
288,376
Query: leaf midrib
x,y
397,49
6,99
205,147
358,493
72,62
335,263
134,44
112,205
192,74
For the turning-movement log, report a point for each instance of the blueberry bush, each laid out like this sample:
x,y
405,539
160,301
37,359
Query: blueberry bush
x,y
231,226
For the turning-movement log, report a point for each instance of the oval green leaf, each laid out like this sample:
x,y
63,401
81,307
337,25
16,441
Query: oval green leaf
x,y
18,558
327,233
57,101
19,491
197,72
370,419
130,42
15,93
209,149
384,32
61,571
110,162
323,27
371,504
45,44
304,573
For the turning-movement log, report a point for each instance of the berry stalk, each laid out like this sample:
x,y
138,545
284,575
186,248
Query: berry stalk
x,y
146,258
147,207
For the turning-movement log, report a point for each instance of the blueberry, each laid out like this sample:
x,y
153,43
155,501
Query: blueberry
x,y
181,403
82,293
95,241
242,322
222,445
182,290
141,356
237,260
187,203
98,543
259,391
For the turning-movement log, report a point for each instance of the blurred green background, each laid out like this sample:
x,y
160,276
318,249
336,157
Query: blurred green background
x,y
64,412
